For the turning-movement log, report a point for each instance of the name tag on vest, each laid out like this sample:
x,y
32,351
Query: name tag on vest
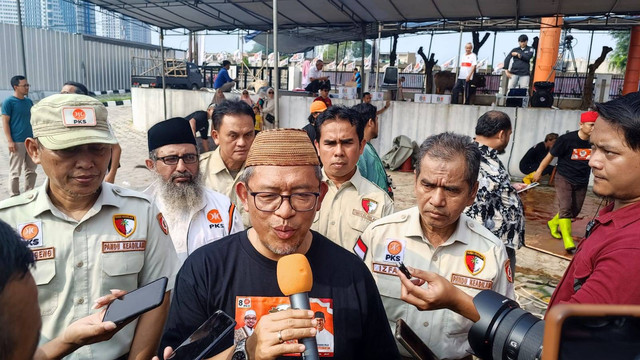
x,y
123,246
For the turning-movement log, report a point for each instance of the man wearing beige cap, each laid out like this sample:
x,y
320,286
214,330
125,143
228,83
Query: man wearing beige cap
x,y
352,202
281,189
233,131
88,236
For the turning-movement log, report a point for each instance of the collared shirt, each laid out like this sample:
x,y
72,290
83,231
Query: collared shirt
x,y
120,243
347,211
472,259
605,267
218,178
222,78
213,218
498,206
315,73
372,169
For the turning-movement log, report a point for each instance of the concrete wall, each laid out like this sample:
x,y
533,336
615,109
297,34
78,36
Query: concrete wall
x,y
415,120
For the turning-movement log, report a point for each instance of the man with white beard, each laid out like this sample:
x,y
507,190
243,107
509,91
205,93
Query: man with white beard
x,y
194,215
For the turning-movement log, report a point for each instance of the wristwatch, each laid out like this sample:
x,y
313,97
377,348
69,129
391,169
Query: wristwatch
x,y
240,353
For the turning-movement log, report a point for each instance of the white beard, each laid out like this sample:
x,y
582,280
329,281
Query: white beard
x,y
180,199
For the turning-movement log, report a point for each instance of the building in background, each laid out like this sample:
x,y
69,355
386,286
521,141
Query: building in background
x,y
76,18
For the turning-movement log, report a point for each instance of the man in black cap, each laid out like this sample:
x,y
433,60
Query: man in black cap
x,y
195,215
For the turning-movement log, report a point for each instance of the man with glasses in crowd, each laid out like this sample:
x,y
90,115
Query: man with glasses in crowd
x,y
281,189
16,122
195,215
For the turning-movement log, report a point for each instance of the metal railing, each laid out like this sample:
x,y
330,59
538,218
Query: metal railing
x,y
246,77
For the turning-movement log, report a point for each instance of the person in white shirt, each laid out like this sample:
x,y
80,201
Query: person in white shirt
x,y
324,338
317,78
468,63
194,215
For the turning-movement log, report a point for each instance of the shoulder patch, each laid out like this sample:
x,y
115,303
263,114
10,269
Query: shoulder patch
x,y
395,218
482,231
21,199
120,191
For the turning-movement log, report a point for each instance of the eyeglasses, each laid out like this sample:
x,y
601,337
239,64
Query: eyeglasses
x,y
173,159
25,85
270,92
270,202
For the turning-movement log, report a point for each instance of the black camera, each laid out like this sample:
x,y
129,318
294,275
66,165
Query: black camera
x,y
504,330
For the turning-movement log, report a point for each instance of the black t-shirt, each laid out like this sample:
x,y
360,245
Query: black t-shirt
x,y
216,274
573,156
532,159
202,123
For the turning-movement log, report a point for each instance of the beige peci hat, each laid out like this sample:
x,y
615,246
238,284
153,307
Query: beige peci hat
x,y
282,147
62,121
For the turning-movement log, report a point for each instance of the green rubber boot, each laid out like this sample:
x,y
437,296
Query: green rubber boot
x,y
553,227
565,229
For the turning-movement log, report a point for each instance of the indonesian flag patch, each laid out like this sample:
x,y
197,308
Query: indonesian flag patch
x,y
507,270
360,249
125,224
474,261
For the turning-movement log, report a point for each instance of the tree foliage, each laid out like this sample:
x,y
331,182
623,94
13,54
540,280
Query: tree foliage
x,y
349,49
618,58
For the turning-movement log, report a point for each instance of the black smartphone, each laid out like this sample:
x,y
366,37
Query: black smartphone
x,y
404,269
136,302
205,338
410,341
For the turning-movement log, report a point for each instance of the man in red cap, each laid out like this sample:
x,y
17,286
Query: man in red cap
x,y
572,176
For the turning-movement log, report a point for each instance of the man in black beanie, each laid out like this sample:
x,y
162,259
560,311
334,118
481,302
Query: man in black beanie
x,y
195,215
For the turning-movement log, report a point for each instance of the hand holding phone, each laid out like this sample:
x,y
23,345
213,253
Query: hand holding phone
x,y
404,270
205,338
136,302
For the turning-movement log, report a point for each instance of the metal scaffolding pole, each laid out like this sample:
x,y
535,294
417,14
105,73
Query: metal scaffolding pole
x,y
21,42
164,88
276,64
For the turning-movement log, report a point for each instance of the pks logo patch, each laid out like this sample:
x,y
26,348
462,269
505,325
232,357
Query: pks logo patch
x,y
163,224
214,216
394,250
31,233
507,270
474,261
125,224
369,205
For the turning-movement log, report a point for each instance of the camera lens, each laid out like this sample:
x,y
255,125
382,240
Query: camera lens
x,y
505,331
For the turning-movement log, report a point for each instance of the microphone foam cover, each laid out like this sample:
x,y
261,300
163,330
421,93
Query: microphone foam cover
x,y
294,274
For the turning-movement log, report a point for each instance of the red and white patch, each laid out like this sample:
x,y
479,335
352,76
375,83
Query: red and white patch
x,y
581,154
123,246
44,253
125,224
163,224
475,261
360,249
369,205
79,116
507,270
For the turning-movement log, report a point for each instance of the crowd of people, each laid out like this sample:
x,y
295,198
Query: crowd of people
x,y
216,223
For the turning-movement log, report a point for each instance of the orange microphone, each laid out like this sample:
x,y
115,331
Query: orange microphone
x,y
295,281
